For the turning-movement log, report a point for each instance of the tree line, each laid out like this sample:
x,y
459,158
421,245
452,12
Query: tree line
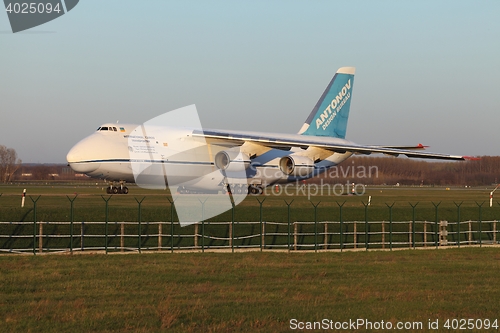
x,y
9,163
407,171
366,170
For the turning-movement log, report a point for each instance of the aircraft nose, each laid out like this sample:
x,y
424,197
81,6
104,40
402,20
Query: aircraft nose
x,y
78,159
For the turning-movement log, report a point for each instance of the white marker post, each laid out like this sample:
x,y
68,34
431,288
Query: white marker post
x,y
23,197
491,195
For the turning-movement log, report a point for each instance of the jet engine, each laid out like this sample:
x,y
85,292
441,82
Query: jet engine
x,y
231,161
297,166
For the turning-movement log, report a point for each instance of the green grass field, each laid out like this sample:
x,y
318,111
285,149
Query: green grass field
x,y
403,204
53,204
245,292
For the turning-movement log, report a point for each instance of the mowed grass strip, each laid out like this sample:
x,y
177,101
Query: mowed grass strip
x,y
243,292
53,205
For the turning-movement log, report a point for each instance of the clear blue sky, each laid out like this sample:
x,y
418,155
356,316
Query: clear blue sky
x,y
426,71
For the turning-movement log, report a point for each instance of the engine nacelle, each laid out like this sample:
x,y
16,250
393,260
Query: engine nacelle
x,y
232,161
297,166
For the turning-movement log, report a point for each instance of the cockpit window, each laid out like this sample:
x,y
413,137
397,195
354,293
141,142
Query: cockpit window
x,y
108,128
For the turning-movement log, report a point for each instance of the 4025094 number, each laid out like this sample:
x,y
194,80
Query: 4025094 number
x,y
32,8
470,324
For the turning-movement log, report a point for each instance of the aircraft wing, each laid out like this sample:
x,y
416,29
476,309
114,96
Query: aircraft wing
x,y
419,146
288,141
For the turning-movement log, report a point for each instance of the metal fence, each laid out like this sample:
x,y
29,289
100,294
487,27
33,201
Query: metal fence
x,y
46,237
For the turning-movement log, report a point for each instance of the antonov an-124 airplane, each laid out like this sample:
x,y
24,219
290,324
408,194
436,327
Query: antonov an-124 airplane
x,y
207,160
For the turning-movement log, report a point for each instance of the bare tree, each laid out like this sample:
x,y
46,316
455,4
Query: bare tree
x,y
9,163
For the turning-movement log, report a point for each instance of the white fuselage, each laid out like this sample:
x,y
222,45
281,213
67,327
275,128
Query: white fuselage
x,y
127,153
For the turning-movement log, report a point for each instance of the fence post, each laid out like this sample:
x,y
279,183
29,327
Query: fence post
x,y
458,221
71,223
34,222
263,233
232,226
355,234
366,224
480,206
122,236
315,225
390,223
326,235
495,225
289,225
469,236
260,220
139,220
195,236
171,224
203,224
341,225
203,236
107,220
425,233
494,231
40,238
410,234
82,235
160,233
295,238
383,234
413,224
436,238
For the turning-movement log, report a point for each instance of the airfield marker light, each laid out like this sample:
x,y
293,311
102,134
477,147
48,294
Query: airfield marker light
x,y
24,197
491,195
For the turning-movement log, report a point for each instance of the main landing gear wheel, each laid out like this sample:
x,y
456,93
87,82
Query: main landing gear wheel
x,y
255,190
120,189
243,189
238,188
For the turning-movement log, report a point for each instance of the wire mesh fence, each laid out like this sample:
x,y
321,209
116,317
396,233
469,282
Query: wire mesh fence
x,y
46,237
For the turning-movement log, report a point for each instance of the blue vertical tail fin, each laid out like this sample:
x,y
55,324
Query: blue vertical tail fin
x,y
329,116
